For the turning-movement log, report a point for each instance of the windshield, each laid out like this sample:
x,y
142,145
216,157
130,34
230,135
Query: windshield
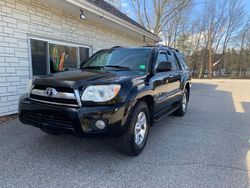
x,y
135,59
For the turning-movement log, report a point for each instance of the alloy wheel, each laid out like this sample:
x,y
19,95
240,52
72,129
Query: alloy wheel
x,y
140,128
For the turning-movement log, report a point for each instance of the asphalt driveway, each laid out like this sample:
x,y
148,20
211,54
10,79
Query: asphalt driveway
x,y
209,147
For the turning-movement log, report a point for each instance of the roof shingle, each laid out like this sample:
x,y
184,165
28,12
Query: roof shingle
x,y
111,9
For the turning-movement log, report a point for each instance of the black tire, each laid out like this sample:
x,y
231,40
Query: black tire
x,y
181,111
50,132
127,141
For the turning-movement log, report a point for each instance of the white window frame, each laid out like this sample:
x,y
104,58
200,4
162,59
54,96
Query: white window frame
x,y
57,42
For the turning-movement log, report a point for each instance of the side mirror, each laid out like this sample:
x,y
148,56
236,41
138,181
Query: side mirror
x,y
164,66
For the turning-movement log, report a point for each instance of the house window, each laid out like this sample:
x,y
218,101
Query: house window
x,y
62,58
52,57
38,57
84,54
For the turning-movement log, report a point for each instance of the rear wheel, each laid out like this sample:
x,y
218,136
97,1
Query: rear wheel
x,y
181,111
135,137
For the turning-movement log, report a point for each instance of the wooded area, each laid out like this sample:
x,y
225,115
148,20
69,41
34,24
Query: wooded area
x,y
213,34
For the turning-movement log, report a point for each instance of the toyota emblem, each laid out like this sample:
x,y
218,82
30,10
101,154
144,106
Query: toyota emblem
x,y
50,91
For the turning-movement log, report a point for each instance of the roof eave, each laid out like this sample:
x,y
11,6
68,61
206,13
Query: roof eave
x,y
100,12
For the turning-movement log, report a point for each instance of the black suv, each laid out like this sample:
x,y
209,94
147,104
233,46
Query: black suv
x,y
122,91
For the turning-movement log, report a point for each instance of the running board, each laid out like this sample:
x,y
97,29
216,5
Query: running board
x,y
166,113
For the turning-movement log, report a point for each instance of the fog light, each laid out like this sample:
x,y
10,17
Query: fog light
x,y
100,124
86,125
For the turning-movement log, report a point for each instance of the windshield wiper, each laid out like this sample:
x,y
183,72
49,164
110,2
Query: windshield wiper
x,y
118,67
107,66
93,67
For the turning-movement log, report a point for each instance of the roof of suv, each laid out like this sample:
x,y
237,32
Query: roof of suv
x,y
159,46
153,47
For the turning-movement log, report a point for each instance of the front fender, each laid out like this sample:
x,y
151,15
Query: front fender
x,y
139,92
135,95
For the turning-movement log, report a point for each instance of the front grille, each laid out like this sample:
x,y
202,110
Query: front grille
x,y
40,120
62,96
59,89
56,100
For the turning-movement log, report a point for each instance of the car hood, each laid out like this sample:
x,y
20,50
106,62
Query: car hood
x,y
79,78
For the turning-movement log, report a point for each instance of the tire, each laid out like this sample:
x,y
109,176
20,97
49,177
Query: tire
x,y
132,142
181,111
50,132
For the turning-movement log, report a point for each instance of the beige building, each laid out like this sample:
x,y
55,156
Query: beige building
x,y
35,35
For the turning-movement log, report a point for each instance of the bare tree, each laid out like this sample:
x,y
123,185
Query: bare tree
x,y
235,15
214,37
155,14
245,30
217,26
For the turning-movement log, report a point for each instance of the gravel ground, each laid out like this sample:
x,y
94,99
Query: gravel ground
x,y
209,147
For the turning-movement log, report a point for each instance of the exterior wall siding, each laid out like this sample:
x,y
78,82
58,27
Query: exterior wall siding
x,y
21,18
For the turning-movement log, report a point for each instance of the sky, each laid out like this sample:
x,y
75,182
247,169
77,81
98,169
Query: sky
x,y
247,7
200,3
198,7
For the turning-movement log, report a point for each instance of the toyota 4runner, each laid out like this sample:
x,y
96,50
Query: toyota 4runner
x,y
122,91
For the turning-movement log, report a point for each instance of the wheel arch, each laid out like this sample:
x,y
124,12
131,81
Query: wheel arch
x,y
149,100
187,86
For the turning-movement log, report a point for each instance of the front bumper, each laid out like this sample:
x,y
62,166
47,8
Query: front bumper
x,y
72,120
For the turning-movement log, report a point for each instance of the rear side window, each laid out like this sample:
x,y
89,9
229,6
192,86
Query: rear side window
x,y
182,63
173,61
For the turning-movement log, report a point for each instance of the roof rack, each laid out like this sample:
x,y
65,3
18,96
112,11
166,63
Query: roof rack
x,y
116,47
162,46
174,49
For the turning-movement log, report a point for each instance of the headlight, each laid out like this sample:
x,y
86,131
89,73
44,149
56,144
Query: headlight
x,y
29,86
100,93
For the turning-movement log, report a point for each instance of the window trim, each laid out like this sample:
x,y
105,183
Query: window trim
x,y
56,42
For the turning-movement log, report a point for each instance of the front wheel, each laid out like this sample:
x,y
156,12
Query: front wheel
x,y
181,111
135,137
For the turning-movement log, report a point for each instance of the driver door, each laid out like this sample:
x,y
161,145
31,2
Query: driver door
x,y
163,85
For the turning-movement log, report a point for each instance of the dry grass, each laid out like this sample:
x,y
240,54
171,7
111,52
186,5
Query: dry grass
x,y
7,118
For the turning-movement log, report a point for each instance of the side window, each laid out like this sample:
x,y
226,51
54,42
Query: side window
x,y
173,61
178,62
162,56
182,63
